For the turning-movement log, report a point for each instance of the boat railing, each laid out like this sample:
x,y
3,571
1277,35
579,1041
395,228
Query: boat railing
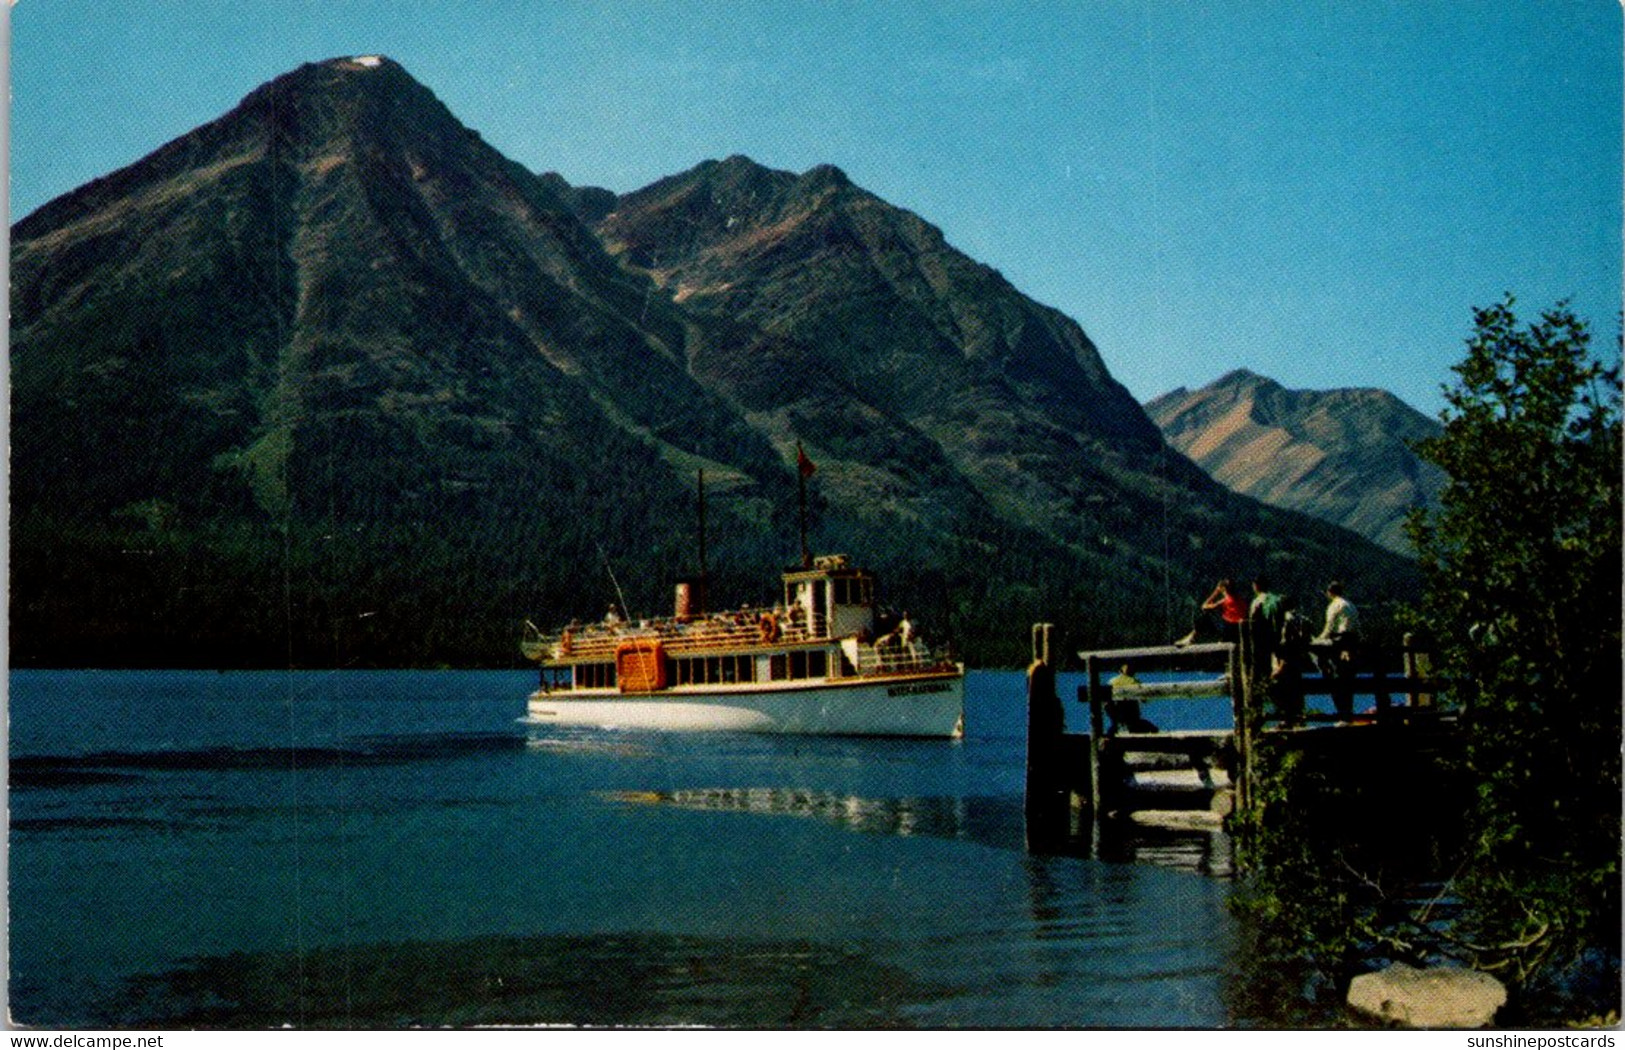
x,y
899,658
746,627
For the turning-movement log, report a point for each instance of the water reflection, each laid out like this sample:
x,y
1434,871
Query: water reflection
x,y
1195,845
988,821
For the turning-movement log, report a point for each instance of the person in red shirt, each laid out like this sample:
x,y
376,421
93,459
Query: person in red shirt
x,y
1231,607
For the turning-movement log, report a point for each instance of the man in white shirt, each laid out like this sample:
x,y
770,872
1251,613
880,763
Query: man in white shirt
x,y
1341,630
1342,618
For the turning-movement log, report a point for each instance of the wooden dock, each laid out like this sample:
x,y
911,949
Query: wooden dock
x,y
1121,771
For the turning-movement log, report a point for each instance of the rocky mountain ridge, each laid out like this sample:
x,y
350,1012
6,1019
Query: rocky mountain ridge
x,y
329,380
1341,455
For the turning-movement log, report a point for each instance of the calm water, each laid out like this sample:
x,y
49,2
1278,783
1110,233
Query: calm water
x,y
385,849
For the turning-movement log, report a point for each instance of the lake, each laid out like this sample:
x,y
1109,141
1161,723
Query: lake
x,y
385,849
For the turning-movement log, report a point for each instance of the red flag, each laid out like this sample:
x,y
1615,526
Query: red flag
x,y
804,464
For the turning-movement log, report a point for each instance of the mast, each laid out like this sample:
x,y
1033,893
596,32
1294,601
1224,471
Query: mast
x,y
703,572
702,521
804,470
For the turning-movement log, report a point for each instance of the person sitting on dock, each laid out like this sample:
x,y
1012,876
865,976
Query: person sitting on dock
x,y
1124,714
1231,610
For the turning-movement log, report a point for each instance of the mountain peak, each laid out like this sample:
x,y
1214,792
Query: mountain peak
x,y
1243,378
1341,455
303,113
334,76
826,174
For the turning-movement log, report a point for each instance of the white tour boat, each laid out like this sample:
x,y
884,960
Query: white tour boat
x,y
815,663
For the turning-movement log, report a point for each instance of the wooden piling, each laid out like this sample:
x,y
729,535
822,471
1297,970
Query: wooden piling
x,y
1097,691
1418,665
1379,688
1241,709
1048,801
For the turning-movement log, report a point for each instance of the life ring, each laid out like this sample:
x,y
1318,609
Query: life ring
x,y
770,627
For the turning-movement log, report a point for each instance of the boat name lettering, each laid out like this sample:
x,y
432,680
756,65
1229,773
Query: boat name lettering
x,y
918,688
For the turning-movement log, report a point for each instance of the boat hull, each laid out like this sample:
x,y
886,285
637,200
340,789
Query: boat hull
x,y
914,706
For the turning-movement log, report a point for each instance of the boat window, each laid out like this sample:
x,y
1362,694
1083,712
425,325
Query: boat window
x,y
711,670
800,664
854,590
594,676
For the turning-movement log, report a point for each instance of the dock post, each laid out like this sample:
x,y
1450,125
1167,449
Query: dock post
x,y
1379,686
1241,716
1097,737
1048,805
1418,664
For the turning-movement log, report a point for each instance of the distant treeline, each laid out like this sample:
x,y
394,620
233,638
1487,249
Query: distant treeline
x,y
150,590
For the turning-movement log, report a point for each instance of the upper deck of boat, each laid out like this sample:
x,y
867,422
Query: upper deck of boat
x,y
745,630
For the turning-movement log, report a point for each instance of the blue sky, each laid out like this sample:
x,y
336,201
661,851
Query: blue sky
x,y
1318,190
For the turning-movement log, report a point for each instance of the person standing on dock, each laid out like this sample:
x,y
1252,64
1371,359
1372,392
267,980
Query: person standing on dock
x,y
1342,618
1290,660
1266,608
1339,636
1264,615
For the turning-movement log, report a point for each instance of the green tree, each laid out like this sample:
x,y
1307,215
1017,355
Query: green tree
x,y
1522,573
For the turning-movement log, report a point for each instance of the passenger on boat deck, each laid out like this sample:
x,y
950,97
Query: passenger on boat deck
x,y
905,629
1124,679
1231,607
612,616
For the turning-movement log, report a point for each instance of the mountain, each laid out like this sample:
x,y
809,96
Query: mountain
x,y
894,353
329,328
331,381
1340,455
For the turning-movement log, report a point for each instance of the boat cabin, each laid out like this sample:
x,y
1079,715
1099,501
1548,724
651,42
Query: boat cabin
x,y
833,599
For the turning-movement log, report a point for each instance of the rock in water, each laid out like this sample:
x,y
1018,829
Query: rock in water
x,y
1436,997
